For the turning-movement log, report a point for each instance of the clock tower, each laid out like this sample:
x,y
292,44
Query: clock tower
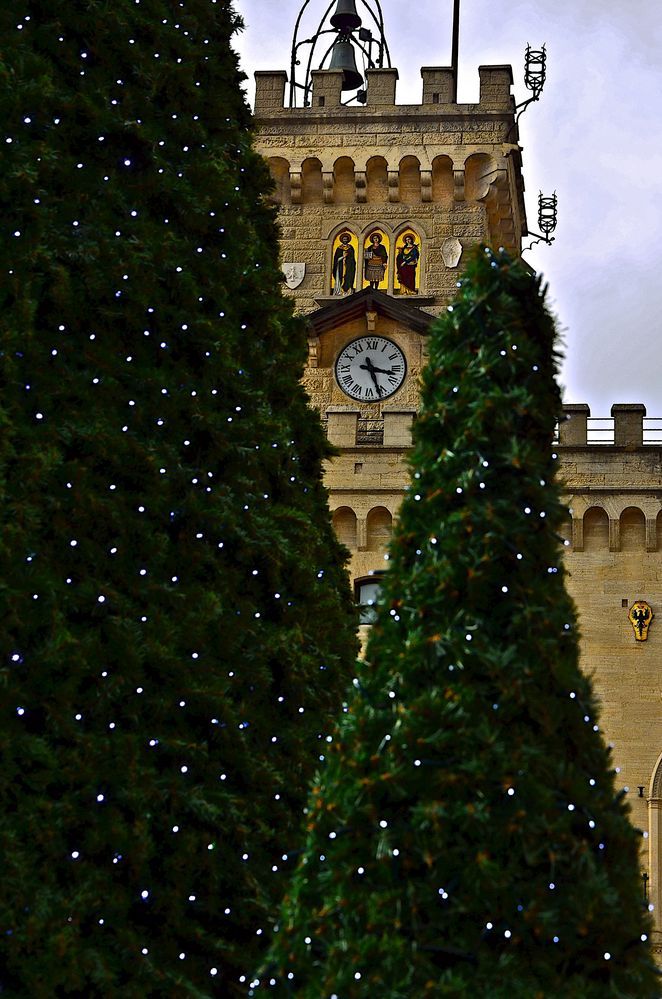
x,y
379,204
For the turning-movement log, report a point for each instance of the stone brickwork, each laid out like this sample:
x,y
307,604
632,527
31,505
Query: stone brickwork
x,y
449,170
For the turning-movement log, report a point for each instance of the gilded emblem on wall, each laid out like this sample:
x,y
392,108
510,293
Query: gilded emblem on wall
x,y
375,256
344,264
406,263
641,616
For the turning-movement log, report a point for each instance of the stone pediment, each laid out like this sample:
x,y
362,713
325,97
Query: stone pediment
x,y
363,303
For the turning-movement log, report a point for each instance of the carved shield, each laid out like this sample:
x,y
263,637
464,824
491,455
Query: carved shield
x,y
641,616
451,251
294,274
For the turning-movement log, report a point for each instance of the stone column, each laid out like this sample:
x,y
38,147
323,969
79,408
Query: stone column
x,y
614,535
342,425
578,534
397,427
654,894
651,534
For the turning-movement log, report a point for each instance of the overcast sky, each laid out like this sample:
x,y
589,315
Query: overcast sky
x,y
594,137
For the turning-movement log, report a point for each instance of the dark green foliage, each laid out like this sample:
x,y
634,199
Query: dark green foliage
x,y
467,839
177,629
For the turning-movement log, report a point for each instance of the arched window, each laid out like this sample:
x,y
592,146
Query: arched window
x,y
596,530
366,594
478,175
344,189
410,180
280,173
443,184
311,182
377,181
379,523
344,524
633,530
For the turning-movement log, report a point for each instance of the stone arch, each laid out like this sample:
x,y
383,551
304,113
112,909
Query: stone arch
x,y
344,524
655,790
633,530
410,180
596,530
377,181
311,182
379,523
344,185
479,172
655,841
658,525
279,169
443,183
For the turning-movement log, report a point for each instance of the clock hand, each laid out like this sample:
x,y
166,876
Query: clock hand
x,y
368,366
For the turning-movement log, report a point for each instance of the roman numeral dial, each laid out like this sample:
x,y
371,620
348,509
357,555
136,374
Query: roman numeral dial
x,y
370,368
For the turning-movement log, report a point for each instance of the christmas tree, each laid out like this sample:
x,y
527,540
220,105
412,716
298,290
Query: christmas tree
x,y
177,626
466,837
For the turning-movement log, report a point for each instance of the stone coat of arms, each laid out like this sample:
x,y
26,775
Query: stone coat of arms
x,y
294,274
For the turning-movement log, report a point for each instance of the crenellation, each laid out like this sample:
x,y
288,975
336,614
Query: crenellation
x,y
381,86
269,91
495,84
327,91
438,85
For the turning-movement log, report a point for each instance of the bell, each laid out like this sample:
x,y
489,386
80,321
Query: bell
x,y
345,17
342,57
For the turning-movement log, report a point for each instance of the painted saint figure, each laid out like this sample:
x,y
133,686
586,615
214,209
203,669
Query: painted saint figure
x,y
406,262
344,266
376,259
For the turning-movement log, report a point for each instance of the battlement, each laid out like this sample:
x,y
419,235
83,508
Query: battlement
x,y
495,93
626,427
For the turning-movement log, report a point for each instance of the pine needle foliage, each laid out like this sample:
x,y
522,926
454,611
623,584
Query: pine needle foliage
x,y
466,837
177,628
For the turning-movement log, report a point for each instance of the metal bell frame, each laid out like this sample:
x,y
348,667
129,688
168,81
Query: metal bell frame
x,y
349,35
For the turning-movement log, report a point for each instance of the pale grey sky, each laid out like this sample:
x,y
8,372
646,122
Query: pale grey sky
x,y
594,137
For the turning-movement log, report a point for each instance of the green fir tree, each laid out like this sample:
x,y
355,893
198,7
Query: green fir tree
x,y
467,838
177,628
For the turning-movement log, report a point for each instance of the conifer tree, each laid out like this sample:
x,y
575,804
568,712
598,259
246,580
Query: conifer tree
x,y
466,837
177,629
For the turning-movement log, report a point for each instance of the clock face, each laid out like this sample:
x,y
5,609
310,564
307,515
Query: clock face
x,y
370,368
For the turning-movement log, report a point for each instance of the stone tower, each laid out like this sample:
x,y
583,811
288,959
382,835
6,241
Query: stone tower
x,y
378,204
